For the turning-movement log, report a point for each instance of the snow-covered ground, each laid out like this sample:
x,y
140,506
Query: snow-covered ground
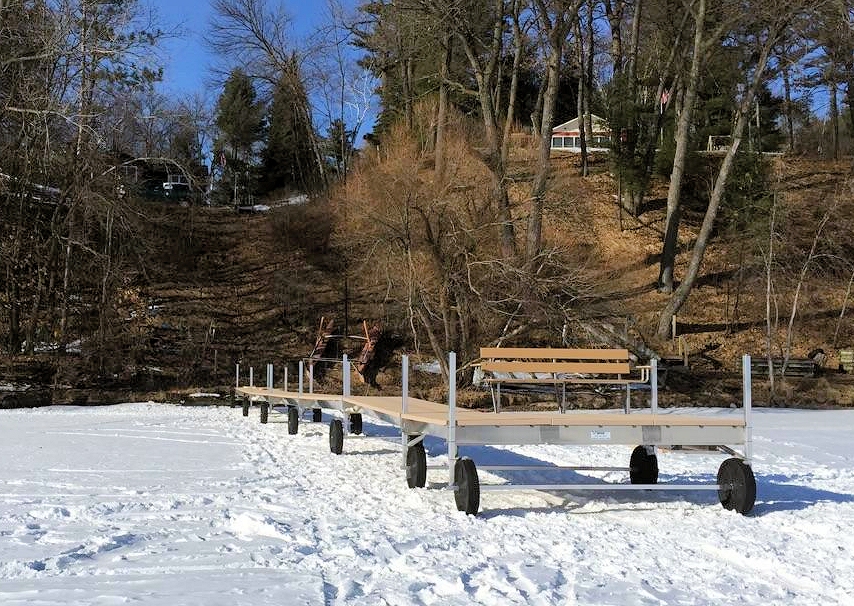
x,y
182,506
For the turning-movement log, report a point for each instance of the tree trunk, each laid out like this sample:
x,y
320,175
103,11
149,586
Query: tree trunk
x,y
614,13
556,32
518,42
635,45
787,105
769,325
537,116
538,189
683,129
442,118
833,93
849,90
582,91
485,77
680,295
12,296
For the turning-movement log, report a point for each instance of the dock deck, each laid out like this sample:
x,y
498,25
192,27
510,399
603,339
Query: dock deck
x,y
647,429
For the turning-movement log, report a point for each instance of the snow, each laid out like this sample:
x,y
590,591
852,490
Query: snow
x,y
163,504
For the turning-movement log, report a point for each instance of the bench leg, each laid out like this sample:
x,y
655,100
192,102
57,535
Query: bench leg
x,y
628,398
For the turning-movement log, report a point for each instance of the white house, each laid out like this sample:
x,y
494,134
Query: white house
x,y
567,137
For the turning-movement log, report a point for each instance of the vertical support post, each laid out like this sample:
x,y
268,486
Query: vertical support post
x,y
452,416
748,408
237,375
346,375
286,376
311,378
251,376
653,385
301,372
628,404
269,376
404,397
497,402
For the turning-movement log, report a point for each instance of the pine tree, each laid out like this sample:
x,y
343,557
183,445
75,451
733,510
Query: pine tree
x,y
289,159
240,121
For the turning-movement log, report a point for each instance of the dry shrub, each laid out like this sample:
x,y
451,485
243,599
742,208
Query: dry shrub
x,y
416,243
428,251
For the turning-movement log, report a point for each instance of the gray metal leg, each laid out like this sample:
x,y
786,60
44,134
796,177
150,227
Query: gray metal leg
x,y
748,409
452,416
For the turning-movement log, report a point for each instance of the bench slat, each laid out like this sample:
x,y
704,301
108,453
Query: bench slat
x,y
616,368
572,381
553,353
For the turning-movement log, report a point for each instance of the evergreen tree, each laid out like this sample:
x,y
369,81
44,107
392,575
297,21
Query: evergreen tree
x,y
240,122
289,159
340,145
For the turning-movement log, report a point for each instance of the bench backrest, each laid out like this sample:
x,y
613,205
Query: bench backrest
x,y
555,360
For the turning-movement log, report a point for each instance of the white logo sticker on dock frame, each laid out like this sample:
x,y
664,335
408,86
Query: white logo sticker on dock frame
x,y
600,435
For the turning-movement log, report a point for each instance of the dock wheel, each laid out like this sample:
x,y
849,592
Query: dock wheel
x,y
316,415
245,407
736,485
265,411
467,493
336,436
293,420
416,466
355,423
643,467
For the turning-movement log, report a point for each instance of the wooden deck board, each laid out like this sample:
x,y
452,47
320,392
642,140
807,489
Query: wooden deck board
x,y
282,394
435,413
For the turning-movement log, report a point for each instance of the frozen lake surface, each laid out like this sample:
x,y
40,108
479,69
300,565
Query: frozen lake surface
x,y
185,506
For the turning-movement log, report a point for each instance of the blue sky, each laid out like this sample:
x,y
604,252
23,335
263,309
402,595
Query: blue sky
x,y
187,61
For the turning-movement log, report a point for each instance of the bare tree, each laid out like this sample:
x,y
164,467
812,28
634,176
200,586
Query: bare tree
x,y
556,20
774,22
250,34
480,30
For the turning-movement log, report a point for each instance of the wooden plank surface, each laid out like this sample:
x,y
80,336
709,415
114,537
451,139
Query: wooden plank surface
x,y
281,393
436,413
615,368
552,353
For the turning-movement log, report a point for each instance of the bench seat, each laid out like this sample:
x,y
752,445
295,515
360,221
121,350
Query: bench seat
x,y
558,367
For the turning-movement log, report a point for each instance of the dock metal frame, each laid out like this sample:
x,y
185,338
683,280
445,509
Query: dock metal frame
x,y
649,431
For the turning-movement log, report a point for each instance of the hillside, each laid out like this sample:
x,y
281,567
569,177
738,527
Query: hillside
x,y
220,287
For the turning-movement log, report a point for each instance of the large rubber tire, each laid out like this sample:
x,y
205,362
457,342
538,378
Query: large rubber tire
x,y
736,486
336,436
245,407
467,493
316,415
293,420
643,467
265,412
416,466
355,423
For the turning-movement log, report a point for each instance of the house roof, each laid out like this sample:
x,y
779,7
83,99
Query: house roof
x,y
599,124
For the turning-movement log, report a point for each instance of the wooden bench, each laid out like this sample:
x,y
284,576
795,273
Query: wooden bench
x,y
531,366
795,367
